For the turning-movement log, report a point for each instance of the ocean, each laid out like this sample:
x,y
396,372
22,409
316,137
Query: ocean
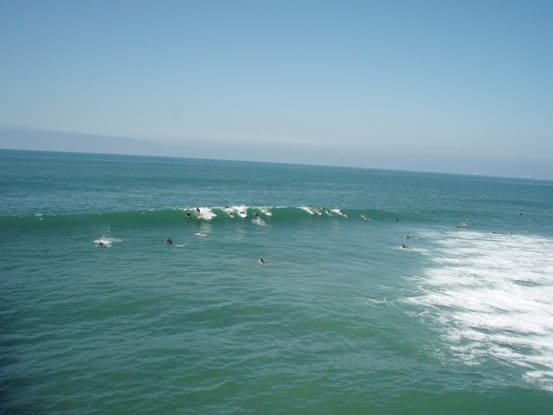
x,y
380,292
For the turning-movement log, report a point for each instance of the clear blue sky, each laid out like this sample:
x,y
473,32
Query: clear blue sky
x,y
463,86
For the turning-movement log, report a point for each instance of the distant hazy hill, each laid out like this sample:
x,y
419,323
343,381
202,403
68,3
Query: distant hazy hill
x,y
43,140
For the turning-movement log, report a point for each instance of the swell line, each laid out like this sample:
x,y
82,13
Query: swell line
x,y
194,214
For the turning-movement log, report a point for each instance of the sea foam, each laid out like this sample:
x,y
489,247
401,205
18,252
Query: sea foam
x,y
491,297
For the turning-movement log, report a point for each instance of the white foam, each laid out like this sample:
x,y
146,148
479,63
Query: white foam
x,y
205,213
308,209
241,210
491,297
105,241
258,221
229,211
338,212
266,211
232,211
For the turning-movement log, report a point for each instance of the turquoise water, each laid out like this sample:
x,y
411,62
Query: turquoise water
x,y
339,320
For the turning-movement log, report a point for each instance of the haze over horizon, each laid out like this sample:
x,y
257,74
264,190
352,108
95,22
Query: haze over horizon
x,y
455,87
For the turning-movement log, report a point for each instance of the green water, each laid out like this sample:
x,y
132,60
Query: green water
x,y
339,319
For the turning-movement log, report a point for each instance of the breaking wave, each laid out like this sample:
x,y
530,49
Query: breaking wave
x,y
259,215
491,297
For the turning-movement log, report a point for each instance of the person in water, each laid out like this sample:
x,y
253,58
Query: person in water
x,y
169,241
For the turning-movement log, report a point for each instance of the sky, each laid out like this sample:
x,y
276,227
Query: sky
x,y
450,86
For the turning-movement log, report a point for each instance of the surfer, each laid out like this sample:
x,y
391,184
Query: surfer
x,y
404,246
257,219
101,244
169,241
198,213
229,211
261,261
